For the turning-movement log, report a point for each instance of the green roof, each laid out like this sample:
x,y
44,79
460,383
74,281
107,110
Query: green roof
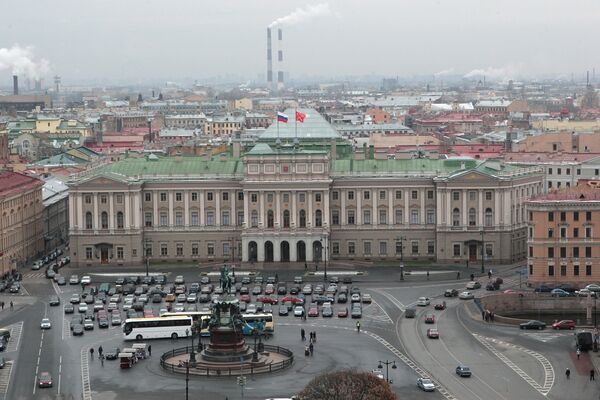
x,y
265,149
381,167
314,128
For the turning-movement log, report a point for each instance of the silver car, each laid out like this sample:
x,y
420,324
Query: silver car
x,y
425,384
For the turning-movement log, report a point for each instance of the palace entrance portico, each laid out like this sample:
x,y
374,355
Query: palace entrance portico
x,y
269,248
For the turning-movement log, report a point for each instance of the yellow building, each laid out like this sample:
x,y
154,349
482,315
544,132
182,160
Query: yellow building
x,y
566,125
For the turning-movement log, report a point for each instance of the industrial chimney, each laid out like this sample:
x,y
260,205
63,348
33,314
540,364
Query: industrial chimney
x,y
280,58
15,85
269,58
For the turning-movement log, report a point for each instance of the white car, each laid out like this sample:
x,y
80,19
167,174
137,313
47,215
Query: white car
x,y
423,301
251,309
46,324
82,307
86,280
36,265
473,285
378,373
425,384
298,311
592,287
179,280
466,296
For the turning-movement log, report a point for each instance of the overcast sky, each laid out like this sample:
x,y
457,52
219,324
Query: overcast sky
x,y
140,40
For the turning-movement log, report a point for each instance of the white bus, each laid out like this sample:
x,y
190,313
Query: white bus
x,y
198,316
157,328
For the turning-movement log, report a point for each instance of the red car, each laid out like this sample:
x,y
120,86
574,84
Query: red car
x,y
433,333
313,312
245,298
430,319
564,324
292,299
267,299
343,312
45,380
440,306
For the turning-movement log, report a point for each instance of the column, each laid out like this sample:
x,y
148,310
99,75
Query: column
x,y
137,210
391,213
309,249
293,247
294,212
96,216
276,250
406,207
260,250
326,210
79,212
72,210
464,211
261,216
359,211
309,216
218,195
202,211
277,208
171,219
233,212
448,207
127,211
244,246
186,208
480,206
246,216
438,209
343,216
375,216
423,193
506,203
155,207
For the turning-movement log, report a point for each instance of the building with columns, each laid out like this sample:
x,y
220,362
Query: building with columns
x,y
299,195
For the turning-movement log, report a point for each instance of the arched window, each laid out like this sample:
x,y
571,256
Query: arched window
x,y
456,217
489,216
302,219
318,218
254,218
472,217
286,219
104,220
88,220
120,223
270,219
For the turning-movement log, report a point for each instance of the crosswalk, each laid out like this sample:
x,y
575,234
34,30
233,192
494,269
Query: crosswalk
x,y
34,275
15,336
5,377
545,336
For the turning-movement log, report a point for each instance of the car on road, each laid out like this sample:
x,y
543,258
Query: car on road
x,y
423,301
37,265
430,319
425,384
14,288
2,362
440,306
463,371
82,307
543,289
410,312
86,280
584,293
298,311
298,279
46,324
283,310
205,280
451,293
69,308
473,285
533,324
433,333
342,312
88,324
564,324
2,345
77,329
61,281
593,287
560,293
466,295
366,298
45,380
54,301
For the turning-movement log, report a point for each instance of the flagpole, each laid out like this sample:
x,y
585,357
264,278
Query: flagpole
x,y
296,125
277,128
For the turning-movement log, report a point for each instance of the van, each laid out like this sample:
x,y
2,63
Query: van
x,y
4,334
104,287
410,313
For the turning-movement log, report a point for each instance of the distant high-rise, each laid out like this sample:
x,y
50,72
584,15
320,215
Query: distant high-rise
x,y
269,58
279,58
15,85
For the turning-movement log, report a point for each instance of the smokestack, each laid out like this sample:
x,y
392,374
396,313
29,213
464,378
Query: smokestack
x,y
280,58
15,85
269,58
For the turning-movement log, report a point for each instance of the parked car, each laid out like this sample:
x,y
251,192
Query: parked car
x,y
425,384
560,293
543,289
327,312
366,298
564,324
298,311
593,287
77,329
179,280
283,310
356,312
342,312
86,280
533,324
313,311
463,371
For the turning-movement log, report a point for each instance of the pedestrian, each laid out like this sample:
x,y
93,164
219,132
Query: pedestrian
x,y
458,275
592,374
305,267
314,336
492,316
92,353
276,277
483,315
100,350
490,274
358,326
11,305
568,373
306,351
102,360
578,353
311,348
149,350
316,267
472,277
427,275
2,304
302,334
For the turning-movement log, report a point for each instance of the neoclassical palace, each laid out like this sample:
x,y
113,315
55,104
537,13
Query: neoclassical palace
x,y
300,195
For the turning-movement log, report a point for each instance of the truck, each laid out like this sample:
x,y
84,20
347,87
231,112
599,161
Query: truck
x,y
584,340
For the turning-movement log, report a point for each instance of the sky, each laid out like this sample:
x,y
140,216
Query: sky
x,y
136,41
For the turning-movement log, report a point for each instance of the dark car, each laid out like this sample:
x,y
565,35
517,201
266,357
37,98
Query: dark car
x,y
327,312
283,310
54,301
543,289
342,298
257,290
347,279
533,324
451,293
156,298
463,371
245,280
61,281
492,286
160,279
282,290
112,354
77,329
294,290
323,299
120,280
69,308
148,280
103,323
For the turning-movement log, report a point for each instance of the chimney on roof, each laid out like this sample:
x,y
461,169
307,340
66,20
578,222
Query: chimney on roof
x,y
15,85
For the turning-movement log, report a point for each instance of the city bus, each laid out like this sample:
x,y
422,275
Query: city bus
x,y
203,316
157,328
253,321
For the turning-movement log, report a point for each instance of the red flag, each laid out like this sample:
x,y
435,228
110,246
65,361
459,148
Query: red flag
x,y
300,116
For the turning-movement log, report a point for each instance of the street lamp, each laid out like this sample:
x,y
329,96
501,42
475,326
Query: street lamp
x,y
387,370
147,258
482,253
255,354
323,241
192,353
401,239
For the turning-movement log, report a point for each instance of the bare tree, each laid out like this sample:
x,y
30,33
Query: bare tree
x,y
347,384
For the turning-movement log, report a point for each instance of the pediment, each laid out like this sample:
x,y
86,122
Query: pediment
x,y
472,177
103,181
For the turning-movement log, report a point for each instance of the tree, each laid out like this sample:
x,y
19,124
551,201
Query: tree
x,y
347,384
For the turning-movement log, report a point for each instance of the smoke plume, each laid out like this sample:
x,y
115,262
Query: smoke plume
x,y
449,71
21,61
502,73
303,14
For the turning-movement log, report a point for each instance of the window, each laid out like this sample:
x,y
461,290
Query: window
x,y
575,232
489,250
104,220
588,270
148,219
414,216
120,253
164,219
318,197
88,220
351,248
335,217
550,252
163,196
254,218
430,194
164,250
431,216
550,216
178,196
103,199
226,248
588,232
302,197
414,195
563,270
383,248
210,218
563,233
563,216
472,195
88,199
576,270
335,195
382,217
350,195
178,218
456,250
456,217
550,270
209,196
399,247
367,248
269,197
575,252
575,215
398,194
210,249
578,171
558,171
225,218
240,196
563,252
430,247
455,195
195,220
530,269
366,195
147,196
414,247
398,216
489,215
318,218
286,219
119,198
367,217
240,218
382,195
350,217
488,196
530,251
472,217
195,196
588,216
89,253
270,219
120,222
550,233
588,252
550,171
225,196
302,219
194,249
335,248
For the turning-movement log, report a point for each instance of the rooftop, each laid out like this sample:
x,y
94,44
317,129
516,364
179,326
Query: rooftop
x,y
584,191
314,128
12,183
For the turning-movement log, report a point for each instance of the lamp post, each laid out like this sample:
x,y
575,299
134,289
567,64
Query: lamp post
x,y
192,353
387,369
146,256
324,247
187,380
401,239
255,355
482,253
